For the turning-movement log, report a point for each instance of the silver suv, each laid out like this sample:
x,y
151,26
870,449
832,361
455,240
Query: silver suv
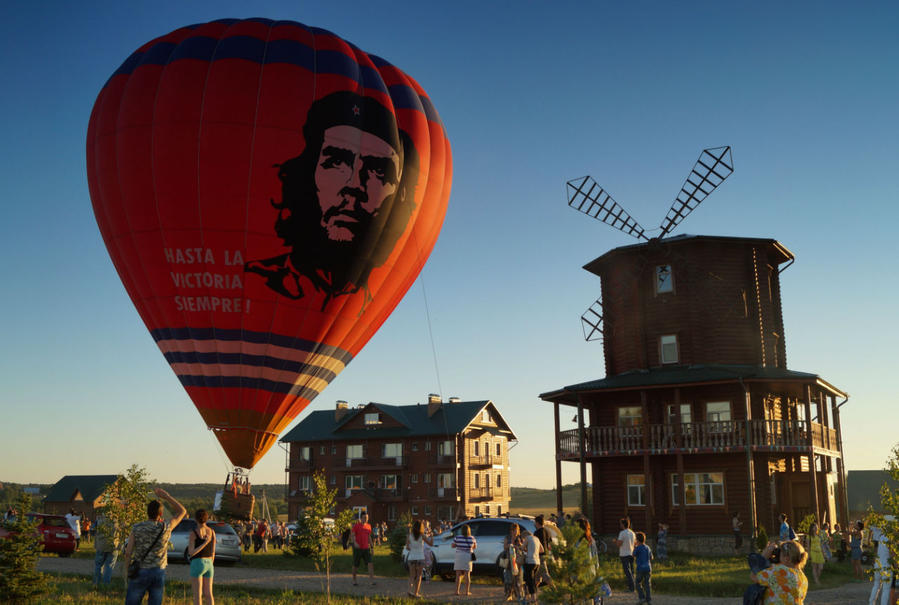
x,y
489,532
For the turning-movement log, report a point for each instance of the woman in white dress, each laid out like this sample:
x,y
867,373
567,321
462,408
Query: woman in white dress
x,y
415,542
464,543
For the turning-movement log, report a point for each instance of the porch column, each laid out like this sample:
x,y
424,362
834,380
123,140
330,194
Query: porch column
x,y
841,465
750,467
558,460
582,446
682,496
648,509
813,471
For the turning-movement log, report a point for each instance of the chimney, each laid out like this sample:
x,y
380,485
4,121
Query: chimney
x,y
341,410
454,400
434,404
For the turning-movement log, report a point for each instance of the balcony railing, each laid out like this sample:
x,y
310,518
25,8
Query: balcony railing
x,y
716,436
392,461
449,493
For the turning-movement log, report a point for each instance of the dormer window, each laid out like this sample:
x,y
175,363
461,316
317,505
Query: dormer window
x,y
664,279
372,418
668,352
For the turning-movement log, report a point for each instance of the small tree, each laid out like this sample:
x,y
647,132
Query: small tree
x,y
806,523
575,573
761,539
19,552
316,536
396,541
888,520
125,504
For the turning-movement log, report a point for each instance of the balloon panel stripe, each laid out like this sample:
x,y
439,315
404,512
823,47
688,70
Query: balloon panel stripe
x,y
260,384
251,373
289,342
251,360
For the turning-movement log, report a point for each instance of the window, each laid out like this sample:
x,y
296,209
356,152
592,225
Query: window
x,y
486,480
445,448
358,510
427,477
390,482
413,478
372,418
668,348
636,490
333,479
415,446
477,511
414,511
427,510
427,446
445,480
717,411
321,451
477,481
686,414
353,481
664,279
333,450
391,512
499,448
306,454
447,513
392,450
702,489
499,480
487,509
630,416
499,510
485,416
305,483
476,445
354,451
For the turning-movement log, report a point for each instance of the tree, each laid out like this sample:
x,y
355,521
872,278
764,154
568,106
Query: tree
x,y
19,552
316,536
124,503
575,572
396,540
888,520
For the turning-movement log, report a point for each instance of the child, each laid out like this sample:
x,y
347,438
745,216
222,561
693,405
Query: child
x,y
642,557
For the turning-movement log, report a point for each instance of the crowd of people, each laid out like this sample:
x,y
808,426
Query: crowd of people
x,y
259,534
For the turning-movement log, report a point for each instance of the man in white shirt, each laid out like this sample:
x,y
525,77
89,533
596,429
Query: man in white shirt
x,y
625,542
74,522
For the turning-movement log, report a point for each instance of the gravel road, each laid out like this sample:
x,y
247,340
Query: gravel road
x,y
849,594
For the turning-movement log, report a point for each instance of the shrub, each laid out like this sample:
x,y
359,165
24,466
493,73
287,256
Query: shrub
x,y
761,539
19,552
805,524
397,538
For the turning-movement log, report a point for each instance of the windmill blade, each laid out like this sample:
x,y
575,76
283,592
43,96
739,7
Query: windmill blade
x,y
591,322
713,166
585,195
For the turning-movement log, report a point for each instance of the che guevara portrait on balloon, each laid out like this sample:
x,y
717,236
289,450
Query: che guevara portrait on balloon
x,y
345,200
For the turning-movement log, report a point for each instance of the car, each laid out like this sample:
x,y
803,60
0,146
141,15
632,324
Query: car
x,y
489,532
56,535
227,542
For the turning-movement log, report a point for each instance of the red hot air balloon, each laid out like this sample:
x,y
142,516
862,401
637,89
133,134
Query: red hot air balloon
x,y
267,192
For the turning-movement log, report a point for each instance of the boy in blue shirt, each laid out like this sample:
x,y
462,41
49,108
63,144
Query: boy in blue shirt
x,y
642,557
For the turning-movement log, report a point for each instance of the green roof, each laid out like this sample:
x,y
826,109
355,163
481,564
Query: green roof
x,y
450,419
675,375
90,487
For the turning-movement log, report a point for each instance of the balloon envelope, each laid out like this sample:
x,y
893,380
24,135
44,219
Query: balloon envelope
x,y
267,192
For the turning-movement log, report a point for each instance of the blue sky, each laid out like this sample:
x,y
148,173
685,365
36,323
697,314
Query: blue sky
x,y
532,94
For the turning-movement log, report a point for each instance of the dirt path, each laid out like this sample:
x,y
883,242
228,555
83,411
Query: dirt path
x,y
849,594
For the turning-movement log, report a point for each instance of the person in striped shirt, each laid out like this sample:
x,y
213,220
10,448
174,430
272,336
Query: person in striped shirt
x,y
465,544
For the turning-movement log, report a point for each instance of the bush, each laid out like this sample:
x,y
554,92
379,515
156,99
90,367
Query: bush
x,y
19,552
761,540
397,538
805,524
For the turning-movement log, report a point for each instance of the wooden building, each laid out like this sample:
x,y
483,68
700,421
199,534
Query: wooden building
x,y
79,492
438,461
698,415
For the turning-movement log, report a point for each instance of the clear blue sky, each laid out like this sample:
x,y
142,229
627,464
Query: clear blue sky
x,y
532,94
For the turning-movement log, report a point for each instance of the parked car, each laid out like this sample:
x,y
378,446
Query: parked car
x,y
227,542
489,532
56,535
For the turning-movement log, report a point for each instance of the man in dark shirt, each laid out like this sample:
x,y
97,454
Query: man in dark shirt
x,y
542,572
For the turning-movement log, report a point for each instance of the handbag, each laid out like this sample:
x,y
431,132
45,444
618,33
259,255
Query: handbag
x,y
134,566
473,557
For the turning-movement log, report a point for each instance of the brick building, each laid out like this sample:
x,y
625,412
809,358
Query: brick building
x,y
438,461
698,415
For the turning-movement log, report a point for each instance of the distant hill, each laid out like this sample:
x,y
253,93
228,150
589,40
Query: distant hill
x,y
864,489
531,500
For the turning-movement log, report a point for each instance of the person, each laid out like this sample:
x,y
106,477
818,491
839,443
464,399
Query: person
x,y
513,563
74,522
201,553
786,532
625,543
86,528
737,526
884,579
147,544
815,552
839,542
643,560
105,547
825,541
428,565
856,536
465,545
784,581
662,543
593,551
362,547
355,177
376,534
533,548
260,536
542,534
415,543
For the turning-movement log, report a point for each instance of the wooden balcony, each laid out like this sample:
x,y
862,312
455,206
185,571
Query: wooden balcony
x,y
699,437
484,461
391,463
481,493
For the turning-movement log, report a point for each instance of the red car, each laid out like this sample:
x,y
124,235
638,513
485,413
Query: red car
x,y
56,535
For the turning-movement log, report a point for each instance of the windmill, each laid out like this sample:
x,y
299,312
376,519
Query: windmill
x,y
586,195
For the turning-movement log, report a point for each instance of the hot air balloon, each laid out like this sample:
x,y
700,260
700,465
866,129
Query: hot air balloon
x,y
267,193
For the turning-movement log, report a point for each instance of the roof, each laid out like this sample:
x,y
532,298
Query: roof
x,y
450,419
90,487
596,264
680,375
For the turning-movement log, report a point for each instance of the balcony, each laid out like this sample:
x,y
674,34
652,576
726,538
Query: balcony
x,y
484,461
481,493
300,465
699,437
443,493
443,460
393,462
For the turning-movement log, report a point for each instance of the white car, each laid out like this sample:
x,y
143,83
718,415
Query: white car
x,y
227,542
